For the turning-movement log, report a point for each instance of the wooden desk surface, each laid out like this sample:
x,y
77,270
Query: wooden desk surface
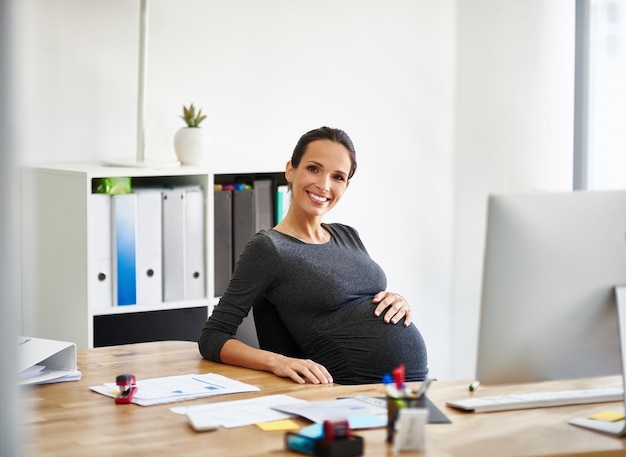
x,y
67,419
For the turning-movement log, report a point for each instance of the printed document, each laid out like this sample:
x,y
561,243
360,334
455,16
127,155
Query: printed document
x,y
238,413
178,388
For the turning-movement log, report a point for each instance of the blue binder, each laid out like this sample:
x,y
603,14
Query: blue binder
x,y
124,249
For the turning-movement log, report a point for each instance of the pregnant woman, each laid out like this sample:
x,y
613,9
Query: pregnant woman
x,y
327,292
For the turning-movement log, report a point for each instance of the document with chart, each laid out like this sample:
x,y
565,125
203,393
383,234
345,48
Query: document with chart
x,y
169,389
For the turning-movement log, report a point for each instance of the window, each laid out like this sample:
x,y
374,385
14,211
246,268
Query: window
x,y
600,124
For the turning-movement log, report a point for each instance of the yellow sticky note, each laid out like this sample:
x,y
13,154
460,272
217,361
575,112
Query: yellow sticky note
x,y
607,416
279,425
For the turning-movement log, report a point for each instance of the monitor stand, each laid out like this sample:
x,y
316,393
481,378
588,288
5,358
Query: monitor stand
x,y
616,428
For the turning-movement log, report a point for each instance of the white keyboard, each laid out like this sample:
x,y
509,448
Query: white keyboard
x,y
537,400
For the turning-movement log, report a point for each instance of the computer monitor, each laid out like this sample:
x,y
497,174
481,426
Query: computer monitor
x,y
552,261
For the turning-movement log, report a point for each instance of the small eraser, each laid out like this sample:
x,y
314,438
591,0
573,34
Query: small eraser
x,y
201,421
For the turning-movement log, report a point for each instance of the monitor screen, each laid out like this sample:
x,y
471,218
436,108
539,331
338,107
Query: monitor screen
x,y
548,307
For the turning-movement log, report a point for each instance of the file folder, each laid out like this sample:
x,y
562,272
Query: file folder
x,y
123,214
149,247
223,240
243,220
252,211
283,200
194,283
183,243
42,361
173,244
100,251
263,204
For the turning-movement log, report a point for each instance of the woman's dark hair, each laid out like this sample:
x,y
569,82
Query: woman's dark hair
x,y
324,133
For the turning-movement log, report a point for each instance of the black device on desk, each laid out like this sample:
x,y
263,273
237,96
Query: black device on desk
x,y
336,440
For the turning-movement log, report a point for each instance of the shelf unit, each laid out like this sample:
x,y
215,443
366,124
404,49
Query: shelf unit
x,y
56,270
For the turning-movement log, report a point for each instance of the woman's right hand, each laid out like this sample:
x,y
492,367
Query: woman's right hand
x,y
234,352
301,370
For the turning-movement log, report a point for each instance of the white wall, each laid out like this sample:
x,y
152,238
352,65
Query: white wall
x,y
387,72
514,129
265,72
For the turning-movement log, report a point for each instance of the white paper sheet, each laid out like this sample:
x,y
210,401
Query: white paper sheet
x,y
169,389
359,413
40,374
238,413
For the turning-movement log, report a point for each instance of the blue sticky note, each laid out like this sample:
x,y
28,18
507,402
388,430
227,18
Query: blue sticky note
x,y
367,421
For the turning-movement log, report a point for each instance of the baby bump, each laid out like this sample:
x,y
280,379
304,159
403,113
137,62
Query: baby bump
x,y
358,347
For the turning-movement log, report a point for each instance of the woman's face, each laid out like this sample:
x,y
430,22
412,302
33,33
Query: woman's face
x,y
321,179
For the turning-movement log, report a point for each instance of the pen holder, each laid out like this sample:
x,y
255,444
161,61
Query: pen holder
x,y
406,418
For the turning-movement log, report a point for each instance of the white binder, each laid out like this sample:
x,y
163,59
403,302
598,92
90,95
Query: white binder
x,y
100,251
194,283
173,244
149,247
42,361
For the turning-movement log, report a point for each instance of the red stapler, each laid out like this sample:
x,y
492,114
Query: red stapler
x,y
128,386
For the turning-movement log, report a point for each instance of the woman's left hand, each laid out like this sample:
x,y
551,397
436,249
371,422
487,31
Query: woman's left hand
x,y
394,307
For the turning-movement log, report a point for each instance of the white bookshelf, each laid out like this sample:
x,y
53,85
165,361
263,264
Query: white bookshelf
x,y
56,230
57,291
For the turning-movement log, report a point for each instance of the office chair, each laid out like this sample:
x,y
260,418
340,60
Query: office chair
x,y
271,331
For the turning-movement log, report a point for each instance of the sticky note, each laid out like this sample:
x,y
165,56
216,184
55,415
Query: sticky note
x,y
607,416
367,421
284,424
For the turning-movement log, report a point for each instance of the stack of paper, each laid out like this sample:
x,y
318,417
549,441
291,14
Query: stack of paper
x,y
238,413
361,412
178,388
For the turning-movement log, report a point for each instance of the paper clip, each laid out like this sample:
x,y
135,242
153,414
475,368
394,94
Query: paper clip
x,y
128,386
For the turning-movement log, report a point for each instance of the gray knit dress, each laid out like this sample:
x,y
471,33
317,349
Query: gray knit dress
x,y
323,294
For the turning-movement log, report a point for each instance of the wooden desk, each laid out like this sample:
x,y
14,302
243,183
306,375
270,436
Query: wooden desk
x,y
67,419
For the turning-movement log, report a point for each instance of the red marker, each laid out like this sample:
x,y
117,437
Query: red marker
x,y
398,377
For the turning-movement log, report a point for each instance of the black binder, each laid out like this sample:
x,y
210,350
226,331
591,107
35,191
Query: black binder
x,y
252,211
223,239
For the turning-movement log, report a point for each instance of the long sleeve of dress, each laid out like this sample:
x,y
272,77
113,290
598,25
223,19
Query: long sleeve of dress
x,y
250,279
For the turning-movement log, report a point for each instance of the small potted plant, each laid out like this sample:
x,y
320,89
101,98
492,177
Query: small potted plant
x,y
190,142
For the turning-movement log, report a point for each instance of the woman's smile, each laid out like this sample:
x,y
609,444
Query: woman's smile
x,y
319,199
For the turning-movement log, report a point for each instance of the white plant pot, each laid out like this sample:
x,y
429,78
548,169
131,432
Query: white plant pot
x,y
191,146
